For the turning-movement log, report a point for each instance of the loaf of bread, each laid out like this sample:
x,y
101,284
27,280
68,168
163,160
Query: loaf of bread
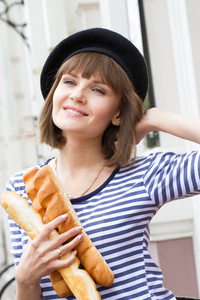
x,y
53,199
60,286
78,280
31,192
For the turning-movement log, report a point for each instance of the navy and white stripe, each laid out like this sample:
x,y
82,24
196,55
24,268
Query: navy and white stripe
x,y
116,217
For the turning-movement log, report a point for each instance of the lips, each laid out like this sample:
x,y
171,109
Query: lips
x,y
74,111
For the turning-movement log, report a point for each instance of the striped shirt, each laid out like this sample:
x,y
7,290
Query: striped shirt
x,y
116,217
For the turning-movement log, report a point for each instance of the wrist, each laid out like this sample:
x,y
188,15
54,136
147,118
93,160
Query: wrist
x,y
23,283
156,119
26,291
31,285
150,119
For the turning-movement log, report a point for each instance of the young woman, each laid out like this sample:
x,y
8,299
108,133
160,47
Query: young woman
x,y
94,83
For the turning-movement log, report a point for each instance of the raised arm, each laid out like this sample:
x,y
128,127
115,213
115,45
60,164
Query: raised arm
x,y
178,125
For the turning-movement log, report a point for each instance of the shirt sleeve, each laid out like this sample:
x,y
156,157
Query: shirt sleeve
x,y
171,176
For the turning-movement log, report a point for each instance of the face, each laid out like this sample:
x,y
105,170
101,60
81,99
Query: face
x,y
84,107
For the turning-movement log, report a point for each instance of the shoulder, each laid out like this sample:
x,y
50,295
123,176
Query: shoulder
x,y
131,172
144,162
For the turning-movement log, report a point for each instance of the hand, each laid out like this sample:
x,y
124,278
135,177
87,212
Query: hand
x,y
41,256
145,125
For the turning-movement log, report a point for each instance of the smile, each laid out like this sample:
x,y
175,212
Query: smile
x,y
73,112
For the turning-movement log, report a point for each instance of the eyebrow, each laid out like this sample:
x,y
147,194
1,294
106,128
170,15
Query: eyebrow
x,y
99,82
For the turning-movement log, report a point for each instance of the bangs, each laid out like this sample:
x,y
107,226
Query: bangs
x,y
102,67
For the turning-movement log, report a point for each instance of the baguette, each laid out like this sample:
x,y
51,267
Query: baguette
x,y
53,198
28,179
59,284
78,280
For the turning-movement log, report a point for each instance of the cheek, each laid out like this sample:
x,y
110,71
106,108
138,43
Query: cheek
x,y
57,96
106,109
102,114
104,118
109,112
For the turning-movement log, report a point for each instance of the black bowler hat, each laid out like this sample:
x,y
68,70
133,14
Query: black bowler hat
x,y
102,41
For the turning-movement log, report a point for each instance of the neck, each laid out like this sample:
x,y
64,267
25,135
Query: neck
x,y
80,156
80,167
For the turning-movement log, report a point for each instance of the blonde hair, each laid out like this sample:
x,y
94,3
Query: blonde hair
x,y
118,142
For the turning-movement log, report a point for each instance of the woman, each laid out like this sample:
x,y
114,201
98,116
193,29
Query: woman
x,y
94,83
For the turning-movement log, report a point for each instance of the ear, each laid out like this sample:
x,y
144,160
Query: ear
x,y
116,120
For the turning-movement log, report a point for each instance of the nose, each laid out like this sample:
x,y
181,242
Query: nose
x,y
78,95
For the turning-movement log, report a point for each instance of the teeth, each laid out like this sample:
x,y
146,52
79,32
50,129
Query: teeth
x,y
74,111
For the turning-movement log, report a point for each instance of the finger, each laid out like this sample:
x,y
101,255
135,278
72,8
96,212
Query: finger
x,y
49,227
67,248
71,245
63,263
64,237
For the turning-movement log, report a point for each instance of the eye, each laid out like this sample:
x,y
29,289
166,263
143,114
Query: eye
x,y
98,90
69,82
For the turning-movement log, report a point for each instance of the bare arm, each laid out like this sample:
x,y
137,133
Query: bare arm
x,y
178,125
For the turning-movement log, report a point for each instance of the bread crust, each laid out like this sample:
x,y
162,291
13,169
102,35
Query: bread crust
x,y
60,286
